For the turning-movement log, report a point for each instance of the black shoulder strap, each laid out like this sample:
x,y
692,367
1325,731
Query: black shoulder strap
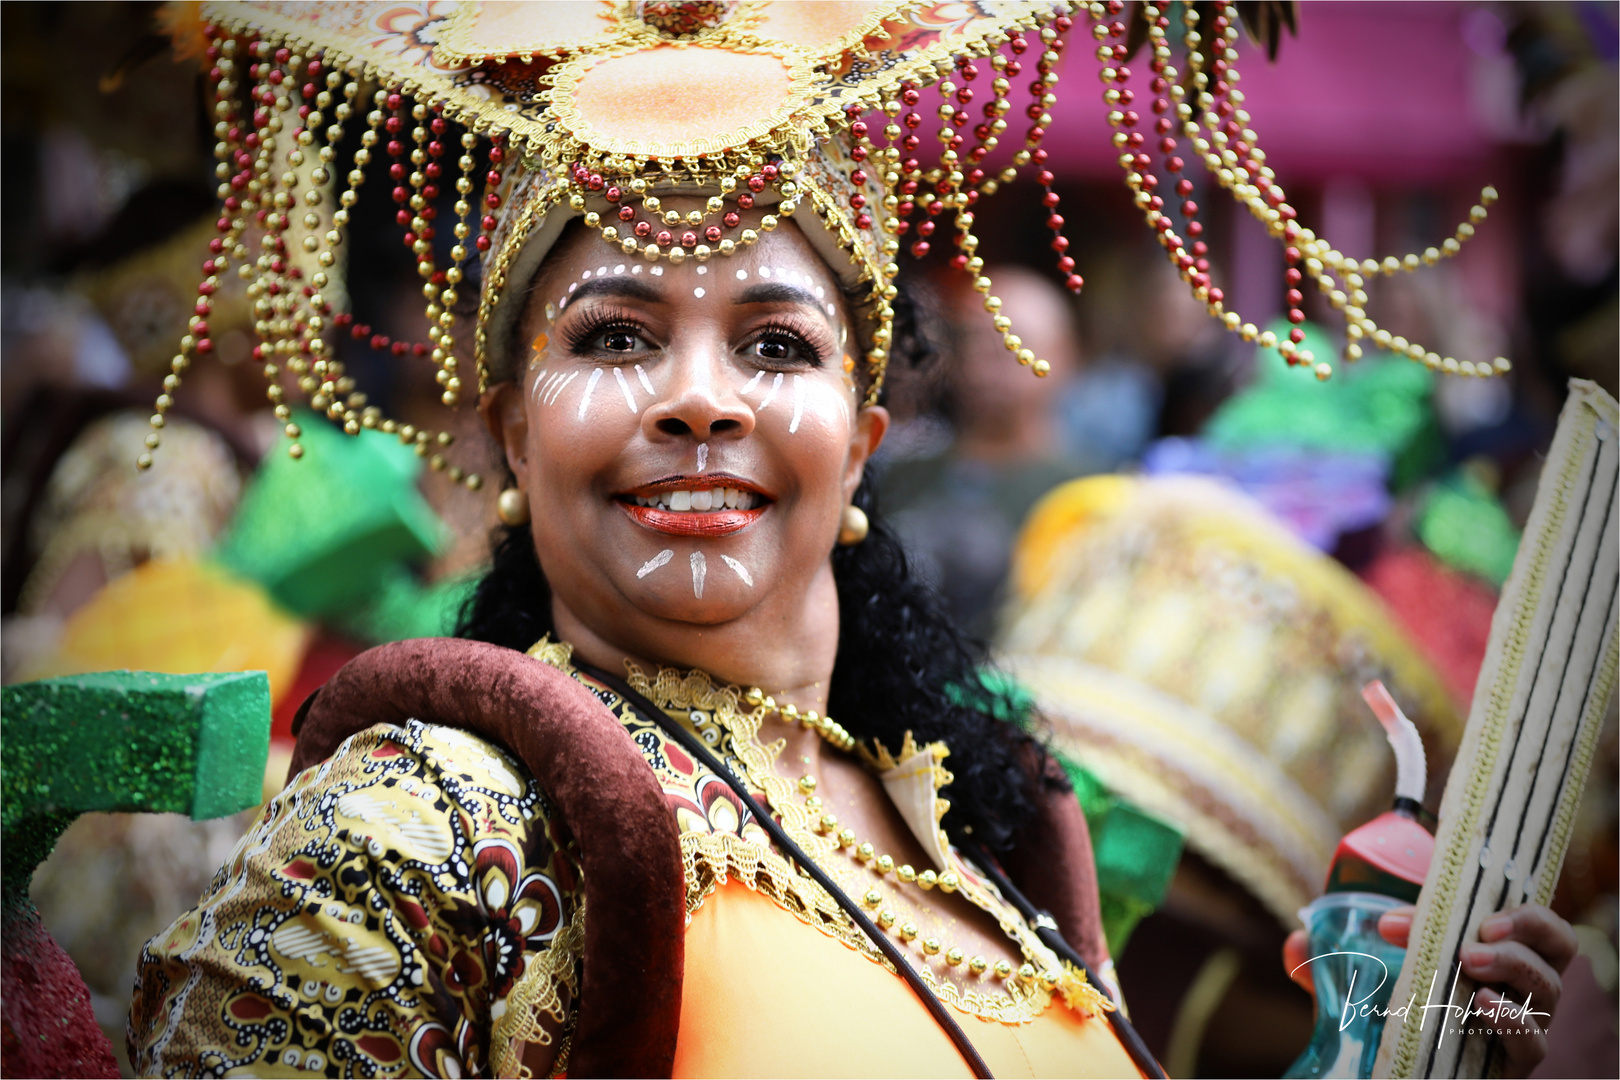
x,y
694,746
1046,928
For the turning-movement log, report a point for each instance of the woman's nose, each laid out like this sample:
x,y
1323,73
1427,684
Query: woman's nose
x,y
699,401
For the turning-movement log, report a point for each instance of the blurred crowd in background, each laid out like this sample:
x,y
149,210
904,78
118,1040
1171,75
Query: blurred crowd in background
x,y
1384,122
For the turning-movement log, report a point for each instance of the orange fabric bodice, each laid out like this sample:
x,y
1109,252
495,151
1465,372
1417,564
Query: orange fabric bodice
x,y
767,995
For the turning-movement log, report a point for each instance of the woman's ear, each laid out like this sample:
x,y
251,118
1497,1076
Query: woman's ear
x,y
501,406
871,424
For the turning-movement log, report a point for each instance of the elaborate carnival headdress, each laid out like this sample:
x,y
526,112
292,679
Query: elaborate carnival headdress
x,y
602,108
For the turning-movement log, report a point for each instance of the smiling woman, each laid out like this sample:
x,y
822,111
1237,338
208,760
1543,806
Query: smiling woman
x,y
566,840
714,459
614,828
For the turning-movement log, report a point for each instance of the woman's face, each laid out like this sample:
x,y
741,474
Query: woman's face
x,y
688,436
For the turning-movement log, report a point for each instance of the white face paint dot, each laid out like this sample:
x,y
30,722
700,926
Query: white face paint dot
x,y
586,276
698,292
572,285
742,275
821,294
619,269
702,270
764,271
658,271
832,312
601,270
636,269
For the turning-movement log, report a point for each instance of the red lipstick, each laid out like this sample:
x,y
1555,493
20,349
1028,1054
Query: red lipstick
x,y
712,523
693,522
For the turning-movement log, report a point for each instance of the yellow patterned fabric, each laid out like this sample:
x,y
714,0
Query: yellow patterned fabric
x,y
410,907
374,921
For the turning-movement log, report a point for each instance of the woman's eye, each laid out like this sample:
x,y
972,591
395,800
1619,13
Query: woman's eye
x,y
778,349
619,341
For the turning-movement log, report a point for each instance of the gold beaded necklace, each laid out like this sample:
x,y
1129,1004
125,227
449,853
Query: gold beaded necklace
x,y
865,854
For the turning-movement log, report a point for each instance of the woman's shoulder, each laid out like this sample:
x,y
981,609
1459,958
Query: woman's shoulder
x,y
454,759
411,871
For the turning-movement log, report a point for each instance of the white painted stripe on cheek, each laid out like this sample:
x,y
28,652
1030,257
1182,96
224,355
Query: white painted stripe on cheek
x,y
556,391
655,562
748,388
739,569
590,388
770,395
700,569
703,456
624,388
798,405
645,382
538,380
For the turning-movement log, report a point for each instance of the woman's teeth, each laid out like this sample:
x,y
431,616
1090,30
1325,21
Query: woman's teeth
x,y
704,499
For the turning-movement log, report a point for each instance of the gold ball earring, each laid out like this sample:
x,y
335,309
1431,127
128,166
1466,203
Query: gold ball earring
x,y
513,507
853,526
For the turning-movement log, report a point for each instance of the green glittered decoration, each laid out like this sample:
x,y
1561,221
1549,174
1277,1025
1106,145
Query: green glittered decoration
x,y
404,608
125,741
323,533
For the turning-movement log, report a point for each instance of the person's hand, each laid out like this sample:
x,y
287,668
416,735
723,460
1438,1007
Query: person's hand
x,y
1520,957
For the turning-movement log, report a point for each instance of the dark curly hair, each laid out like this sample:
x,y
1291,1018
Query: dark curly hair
x,y
902,665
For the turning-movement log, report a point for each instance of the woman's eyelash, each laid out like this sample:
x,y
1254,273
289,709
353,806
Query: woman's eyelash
x,y
795,335
583,337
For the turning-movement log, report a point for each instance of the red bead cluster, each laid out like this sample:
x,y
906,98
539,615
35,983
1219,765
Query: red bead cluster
x,y
492,193
1192,260
1041,91
656,231
380,342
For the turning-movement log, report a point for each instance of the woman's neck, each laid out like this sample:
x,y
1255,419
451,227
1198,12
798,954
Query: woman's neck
x,y
785,646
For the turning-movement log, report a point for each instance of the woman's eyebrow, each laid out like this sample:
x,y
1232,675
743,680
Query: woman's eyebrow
x,y
775,293
627,288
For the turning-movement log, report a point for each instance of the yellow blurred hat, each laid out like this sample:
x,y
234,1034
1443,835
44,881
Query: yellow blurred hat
x,y
1208,666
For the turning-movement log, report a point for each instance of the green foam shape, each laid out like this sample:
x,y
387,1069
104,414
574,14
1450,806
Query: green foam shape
x,y
323,532
126,741
1381,405
1464,523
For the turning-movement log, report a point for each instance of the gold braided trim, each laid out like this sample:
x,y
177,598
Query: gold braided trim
x,y
1580,764
1476,764
485,116
535,999
740,29
1017,1003
1590,725
539,198
456,47
877,757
